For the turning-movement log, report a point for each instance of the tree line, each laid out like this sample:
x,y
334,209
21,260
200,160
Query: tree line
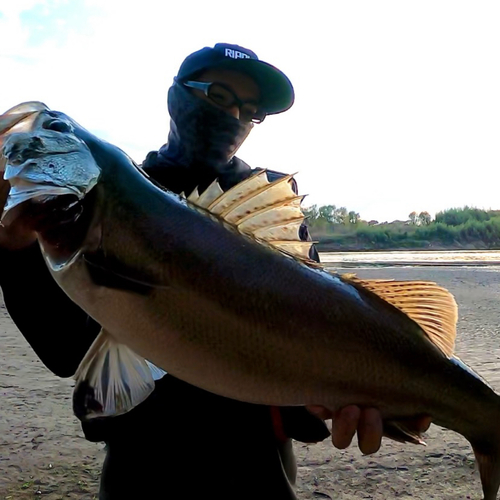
x,y
338,228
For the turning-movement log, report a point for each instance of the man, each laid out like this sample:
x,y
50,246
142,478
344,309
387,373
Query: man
x,y
183,442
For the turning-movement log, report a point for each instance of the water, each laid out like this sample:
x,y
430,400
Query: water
x,y
488,258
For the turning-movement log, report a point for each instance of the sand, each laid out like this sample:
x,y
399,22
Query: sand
x,y
43,453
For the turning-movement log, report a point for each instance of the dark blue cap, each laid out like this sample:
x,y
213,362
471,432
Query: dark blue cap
x,y
276,90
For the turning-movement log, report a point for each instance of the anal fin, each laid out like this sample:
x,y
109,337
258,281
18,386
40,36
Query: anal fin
x,y
403,432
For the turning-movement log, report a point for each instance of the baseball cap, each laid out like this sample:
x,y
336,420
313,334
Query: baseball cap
x,y
277,94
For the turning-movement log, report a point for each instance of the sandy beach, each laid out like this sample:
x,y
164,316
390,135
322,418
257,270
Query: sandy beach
x,y
43,453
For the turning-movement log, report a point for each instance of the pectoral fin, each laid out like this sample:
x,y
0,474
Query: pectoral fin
x,y
111,380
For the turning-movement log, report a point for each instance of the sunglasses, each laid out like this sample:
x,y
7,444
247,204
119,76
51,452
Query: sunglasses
x,y
223,96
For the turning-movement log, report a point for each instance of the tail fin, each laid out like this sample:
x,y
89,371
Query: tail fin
x,y
488,461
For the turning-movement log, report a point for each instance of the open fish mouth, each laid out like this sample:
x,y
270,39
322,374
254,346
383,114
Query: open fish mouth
x,y
33,185
42,213
22,190
46,164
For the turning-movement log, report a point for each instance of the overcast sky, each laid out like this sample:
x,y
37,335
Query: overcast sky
x,y
397,102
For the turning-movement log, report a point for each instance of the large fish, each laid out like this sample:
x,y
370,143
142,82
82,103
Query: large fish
x,y
218,290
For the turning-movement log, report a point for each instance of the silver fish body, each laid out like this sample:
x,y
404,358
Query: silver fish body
x,y
228,314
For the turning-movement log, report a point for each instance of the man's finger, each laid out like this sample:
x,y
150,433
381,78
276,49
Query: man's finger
x,y
344,426
320,412
370,431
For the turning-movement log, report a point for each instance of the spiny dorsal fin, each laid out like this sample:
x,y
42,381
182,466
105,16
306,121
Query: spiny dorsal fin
x,y
241,190
268,212
194,197
267,196
282,212
299,249
212,193
428,304
284,230
205,199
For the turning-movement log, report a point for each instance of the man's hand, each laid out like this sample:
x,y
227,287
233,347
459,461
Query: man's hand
x,y
366,422
13,237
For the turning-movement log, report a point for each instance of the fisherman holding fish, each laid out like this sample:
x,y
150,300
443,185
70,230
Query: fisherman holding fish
x,y
238,450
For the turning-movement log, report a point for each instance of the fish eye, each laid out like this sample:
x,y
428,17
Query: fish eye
x,y
57,125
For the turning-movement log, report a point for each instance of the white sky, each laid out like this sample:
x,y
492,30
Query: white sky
x,y
397,102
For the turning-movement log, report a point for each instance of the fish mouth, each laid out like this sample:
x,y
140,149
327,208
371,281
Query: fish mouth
x,y
22,190
61,221
41,206
38,173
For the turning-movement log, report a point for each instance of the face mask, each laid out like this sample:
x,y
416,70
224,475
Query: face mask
x,y
206,135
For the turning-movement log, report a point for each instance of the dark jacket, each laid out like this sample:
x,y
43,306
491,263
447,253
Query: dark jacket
x,y
182,442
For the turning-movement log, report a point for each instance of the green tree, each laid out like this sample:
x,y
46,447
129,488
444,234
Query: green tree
x,y
311,213
341,215
327,212
425,218
353,217
459,216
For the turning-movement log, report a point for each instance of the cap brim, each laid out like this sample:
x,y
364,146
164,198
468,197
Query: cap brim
x,y
277,94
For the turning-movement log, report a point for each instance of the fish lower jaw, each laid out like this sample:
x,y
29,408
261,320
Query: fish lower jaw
x,y
22,190
42,211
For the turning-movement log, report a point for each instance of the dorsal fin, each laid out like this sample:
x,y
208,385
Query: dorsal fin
x,y
282,212
283,230
194,197
232,196
266,196
428,304
205,199
299,249
269,212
